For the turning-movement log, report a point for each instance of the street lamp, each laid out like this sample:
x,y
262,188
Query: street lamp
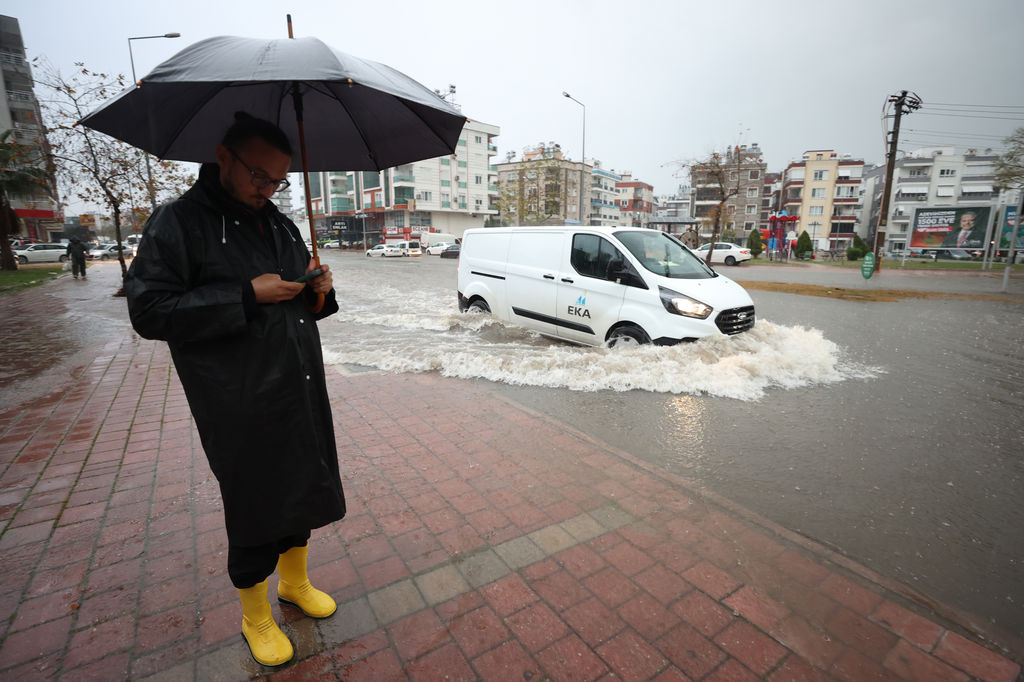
x,y
149,169
583,160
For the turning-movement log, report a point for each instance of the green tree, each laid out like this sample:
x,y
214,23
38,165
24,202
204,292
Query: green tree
x,y
21,173
754,243
803,243
534,192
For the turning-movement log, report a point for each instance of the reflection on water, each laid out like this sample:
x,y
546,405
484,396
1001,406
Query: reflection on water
x,y
401,324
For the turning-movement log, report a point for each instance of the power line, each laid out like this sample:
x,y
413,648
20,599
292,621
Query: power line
x,y
997,118
955,134
986,106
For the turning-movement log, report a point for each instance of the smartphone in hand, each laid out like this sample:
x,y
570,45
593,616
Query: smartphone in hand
x,y
309,275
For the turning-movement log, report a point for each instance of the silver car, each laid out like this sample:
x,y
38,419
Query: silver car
x,y
41,253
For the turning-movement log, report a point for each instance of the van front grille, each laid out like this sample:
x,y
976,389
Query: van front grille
x,y
735,320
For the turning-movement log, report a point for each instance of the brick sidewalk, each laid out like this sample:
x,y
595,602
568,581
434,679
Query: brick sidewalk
x,y
488,542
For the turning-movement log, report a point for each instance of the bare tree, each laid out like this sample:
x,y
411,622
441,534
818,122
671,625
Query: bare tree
x,y
718,178
91,166
1010,166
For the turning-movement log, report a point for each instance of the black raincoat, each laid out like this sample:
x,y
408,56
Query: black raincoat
x,y
253,373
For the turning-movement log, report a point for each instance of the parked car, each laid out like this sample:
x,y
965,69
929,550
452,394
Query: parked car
x,y
333,244
41,253
727,253
384,251
436,249
452,251
108,251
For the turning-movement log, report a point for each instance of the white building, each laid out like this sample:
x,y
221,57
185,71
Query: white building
x,y
444,194
928,177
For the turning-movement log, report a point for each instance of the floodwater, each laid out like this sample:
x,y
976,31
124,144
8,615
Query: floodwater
x,y
890,432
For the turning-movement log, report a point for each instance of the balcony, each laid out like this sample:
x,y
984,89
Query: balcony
x,y
492,150
911,197
403,179
492,188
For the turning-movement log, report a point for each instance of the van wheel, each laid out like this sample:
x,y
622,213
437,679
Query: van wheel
x,y
479,306
627,336
729,260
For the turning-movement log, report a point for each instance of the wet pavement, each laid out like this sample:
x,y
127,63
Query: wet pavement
x,y
486,539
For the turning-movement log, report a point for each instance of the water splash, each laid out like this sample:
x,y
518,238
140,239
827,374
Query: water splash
x,y
480,347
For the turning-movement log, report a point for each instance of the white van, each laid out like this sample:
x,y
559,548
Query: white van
x,y
599,285
410,248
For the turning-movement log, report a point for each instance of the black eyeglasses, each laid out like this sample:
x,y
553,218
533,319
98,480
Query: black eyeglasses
x,y
261,180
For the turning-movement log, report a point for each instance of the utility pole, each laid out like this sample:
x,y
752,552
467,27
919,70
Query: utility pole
x,y
910,103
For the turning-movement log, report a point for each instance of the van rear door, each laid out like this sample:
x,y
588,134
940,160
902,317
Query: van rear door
x,y
589,299
534,260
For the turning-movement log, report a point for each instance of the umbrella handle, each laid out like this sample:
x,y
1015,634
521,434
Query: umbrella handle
x,y
319,305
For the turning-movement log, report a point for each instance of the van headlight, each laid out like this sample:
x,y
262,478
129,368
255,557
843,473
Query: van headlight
x,y
679,304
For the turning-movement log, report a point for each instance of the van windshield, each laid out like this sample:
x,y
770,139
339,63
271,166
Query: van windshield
x,y
664,255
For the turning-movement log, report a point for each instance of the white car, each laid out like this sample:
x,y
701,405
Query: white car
x,y
727,253
41,253
333,244
436,249
385,251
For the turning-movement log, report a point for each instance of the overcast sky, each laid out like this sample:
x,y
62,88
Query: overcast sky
x,y
663,81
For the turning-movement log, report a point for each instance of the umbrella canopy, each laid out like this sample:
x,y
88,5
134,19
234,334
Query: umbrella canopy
x,y
357,114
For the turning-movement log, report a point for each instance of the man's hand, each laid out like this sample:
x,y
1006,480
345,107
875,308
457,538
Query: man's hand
x,y
270,288
325,282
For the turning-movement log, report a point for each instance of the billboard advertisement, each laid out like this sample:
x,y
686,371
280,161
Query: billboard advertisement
x,y
1006,229
962,227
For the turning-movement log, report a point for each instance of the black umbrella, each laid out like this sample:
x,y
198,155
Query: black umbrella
x,y
356,114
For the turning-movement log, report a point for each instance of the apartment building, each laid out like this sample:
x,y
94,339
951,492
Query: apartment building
x,y
19,113
604,196
930,177
744,169
445,194
636,201
823,189
542,188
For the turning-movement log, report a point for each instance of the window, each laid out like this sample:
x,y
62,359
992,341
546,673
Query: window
x,y
751,209
445,196
917,173
751,192
818,193
478,139
814,226
816,210
820,174
426,196
947,172
818,156
754,175
748,226
944,191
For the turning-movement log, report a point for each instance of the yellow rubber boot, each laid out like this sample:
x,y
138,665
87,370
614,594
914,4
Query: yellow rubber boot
x,y
267,644
294,588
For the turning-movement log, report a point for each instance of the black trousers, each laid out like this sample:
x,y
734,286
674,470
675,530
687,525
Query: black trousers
x,y
78,265
248,566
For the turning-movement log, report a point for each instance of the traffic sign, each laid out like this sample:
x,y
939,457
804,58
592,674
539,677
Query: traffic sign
x,y
867,267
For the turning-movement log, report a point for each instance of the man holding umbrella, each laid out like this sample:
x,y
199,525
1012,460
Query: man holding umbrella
x,y
215,277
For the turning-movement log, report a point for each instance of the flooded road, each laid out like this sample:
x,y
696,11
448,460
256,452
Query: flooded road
x,y
891,432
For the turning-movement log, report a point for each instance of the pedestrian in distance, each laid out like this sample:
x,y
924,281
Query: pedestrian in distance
x,y
76,253
215,277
